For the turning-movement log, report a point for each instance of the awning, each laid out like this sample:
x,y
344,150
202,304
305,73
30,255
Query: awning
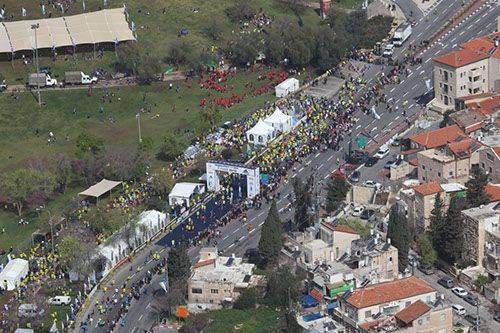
x,y
100,188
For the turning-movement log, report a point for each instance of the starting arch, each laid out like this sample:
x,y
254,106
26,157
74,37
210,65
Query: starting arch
x,y
252,176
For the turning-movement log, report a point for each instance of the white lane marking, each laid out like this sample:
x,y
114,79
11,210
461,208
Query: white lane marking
x,y
230,246
260,214
261,223
225,237
396,118
241,238
413,88
251,231
308,162
235,231
389,124
375,136
428,59
406,93
140,317
411,106
393,89
316,156
320,166
375,128
329,158
419,66
281,209
357,127
301,169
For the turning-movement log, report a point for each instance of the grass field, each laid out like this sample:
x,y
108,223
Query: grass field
x,y
259,320
158,23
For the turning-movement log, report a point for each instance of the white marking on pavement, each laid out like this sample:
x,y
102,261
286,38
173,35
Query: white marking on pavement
x,y
241,238
230,246
429,59
320,166
316,155
389,124
396,118
260,214
329,158
301,169
393,89
406,93
358,127
251,231
374,129
140,317
261,223
413,88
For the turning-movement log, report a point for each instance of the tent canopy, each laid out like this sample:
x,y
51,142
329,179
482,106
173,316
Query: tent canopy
x,y
261,128
13,273
185,190
104,26
100,188
278,118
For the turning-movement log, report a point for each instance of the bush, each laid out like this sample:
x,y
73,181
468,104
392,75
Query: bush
x,y
242,10
247,299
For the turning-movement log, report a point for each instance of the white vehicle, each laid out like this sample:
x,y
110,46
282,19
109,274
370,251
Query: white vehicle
x,y
371,183
401,34
42,80
459,310
60,300
382,152
388,50
460,292
356,211
78,78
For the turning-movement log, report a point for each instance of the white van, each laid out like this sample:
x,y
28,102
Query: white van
x,y
60,300
459,310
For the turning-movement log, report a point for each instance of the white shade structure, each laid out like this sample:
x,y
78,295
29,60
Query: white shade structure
x,y
286,87
183,192
13,273
279,121
261,133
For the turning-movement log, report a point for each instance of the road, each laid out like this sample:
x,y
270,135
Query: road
x,y
486,323
236,237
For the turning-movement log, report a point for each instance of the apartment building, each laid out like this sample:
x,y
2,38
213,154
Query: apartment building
x,y
409,302
436,138
482,237
473,69
218,280
339,237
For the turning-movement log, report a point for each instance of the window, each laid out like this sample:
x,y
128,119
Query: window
x,y
214,291
490,169
407,303
442,317
251,137
197,291
451,173
489,156
439,174
368,313
260,138
423,167
420,322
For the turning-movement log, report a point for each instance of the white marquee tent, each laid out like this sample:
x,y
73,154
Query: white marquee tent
x,y
279,121
183,192
286,87
103,26
261,133
13,273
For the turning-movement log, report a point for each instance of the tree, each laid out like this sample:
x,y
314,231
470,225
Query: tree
x,y
453,232
290,323
243,49
271,237
481,281
336,192
178,266
75,255
123,163
162,181
242,10
215,27
427,253
148,69
437,224
171,147
476,193
129,57
87,143
247,299
399,233
24,186
446,119
303,201
283,287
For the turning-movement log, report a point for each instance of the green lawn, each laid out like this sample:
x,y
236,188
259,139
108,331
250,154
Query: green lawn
x,y
259,320
155,30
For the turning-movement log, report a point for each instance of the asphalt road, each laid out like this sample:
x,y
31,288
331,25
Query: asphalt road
x,y
236,237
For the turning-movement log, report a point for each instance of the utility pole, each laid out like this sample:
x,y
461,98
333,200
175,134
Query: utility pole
x,y
138,116
35,27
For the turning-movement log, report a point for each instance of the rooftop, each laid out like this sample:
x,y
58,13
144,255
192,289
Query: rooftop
x,y
483,211
428,188
339,228
493,191
222,269
469,120
389,291
439,137
438,155
472,51
486,106
412,312
465,147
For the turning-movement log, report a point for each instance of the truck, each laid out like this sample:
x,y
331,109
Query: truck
x,y
42,80
77,77
401,34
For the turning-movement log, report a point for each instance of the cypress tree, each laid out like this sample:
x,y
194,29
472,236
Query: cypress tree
x,y
453,231
476,193
178,266
271,237
336,192
437,225
399,233
303,202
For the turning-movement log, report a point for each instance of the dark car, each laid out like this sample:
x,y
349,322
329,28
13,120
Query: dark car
x,y
371,161
471,299
446,282
253,255
389,164
354,177
367,214
426,269
471,318
357,157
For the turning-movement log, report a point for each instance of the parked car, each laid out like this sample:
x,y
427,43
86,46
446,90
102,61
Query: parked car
x,y
396,142
471,299
371,161
389,164
382,152
460,292
426,269
371,183
367,214
446,282
357,211
459,310
471,318
354,177
60,300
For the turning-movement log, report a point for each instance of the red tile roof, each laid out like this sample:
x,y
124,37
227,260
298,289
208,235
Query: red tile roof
x,y
428,188
471,51
204,263
389,291
414,161
493,191
412,312
487,106
465,147
316,294
439,137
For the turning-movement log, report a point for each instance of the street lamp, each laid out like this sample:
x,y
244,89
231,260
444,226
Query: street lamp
x,y
35,27
138,117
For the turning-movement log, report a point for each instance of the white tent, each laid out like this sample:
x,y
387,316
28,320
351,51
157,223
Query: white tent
x,y
261,133
279,121
182,193
13,273
286,87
